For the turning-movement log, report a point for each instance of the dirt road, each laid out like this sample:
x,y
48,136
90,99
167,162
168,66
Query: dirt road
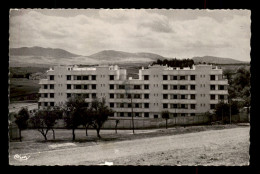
x,y
214,147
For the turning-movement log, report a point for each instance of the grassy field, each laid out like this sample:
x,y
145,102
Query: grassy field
x,y
23,88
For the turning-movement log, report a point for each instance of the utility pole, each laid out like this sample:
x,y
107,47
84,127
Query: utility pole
x,y
230,112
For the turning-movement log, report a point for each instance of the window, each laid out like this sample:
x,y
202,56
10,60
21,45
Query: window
x,y
175,96
165,87
192,114
45,86
111,86
121,114
165,96
78,95
112,105
146,96
85,86
212,97
212,87
192,77
78,86
175,77
129,105
111,95
45,95
78,77
182,77
129,114
94,95
146,77
51,77
86,95
45,103
121,105
183,97
137,105
165,105
193,96
175,87
146,105
221,87
51,95
93,86
182,87
68,86
174,106
85,77
183,106
51,103
111,77
68,77
121,96
165,77
137,96
193,106
183,114
121,86
212,106
146,114
212,77
93,77
137,86
221,97
68,95
155,116
51,86
146,86
129,96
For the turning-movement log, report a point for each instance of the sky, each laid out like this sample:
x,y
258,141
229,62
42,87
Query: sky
x,y
170,33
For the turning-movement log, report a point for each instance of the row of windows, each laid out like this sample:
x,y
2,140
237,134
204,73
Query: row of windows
x,y
46,95
181,77
220,87
146,114
51,86
179,106
86,77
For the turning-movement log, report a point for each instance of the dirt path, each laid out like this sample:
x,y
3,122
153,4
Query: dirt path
x,y
214,147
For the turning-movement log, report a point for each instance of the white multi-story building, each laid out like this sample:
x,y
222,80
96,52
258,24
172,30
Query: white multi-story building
x,y
183,92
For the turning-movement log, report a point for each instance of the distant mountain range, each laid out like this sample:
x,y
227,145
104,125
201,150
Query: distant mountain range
x,y
39,51
44,57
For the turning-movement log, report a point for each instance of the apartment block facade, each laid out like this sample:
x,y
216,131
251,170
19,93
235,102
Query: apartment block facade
x,y
183,92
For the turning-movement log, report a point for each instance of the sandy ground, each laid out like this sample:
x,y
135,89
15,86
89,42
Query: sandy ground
x,y
213,147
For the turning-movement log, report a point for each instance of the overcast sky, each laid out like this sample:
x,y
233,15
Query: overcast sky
x,y
170,33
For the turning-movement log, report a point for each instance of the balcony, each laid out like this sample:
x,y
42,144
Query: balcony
x,y
219,82
46,91
46,100
179,101
179,82
219,92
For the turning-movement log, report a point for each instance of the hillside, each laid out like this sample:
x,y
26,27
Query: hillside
x,y
112,55
217,60
45,57
39,51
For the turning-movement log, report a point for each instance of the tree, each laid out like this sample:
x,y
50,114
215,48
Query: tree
x,y
166,116
222,110
99,114
44,120
117,121
21,120
74,110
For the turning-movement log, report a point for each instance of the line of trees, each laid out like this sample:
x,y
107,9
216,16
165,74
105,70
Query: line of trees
x,y
76,112
175,62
